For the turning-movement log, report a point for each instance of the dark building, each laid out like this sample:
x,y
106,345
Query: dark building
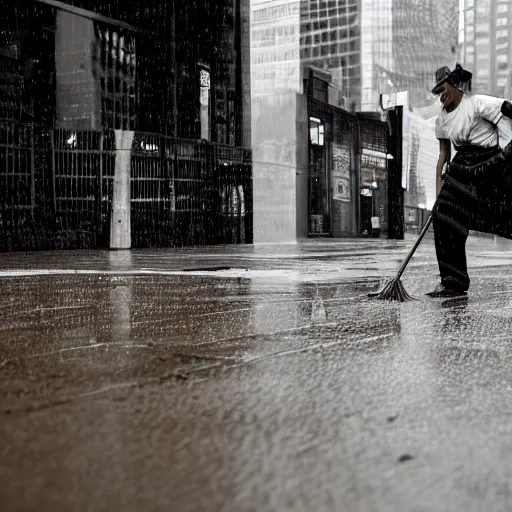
x,y
139,68
173,72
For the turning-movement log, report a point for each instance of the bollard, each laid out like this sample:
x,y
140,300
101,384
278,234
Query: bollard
x,y
120,226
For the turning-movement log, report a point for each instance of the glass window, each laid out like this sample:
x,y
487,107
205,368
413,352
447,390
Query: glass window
x,y
482,41
316,131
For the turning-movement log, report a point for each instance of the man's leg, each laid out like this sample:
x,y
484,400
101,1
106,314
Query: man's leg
x,y
451,232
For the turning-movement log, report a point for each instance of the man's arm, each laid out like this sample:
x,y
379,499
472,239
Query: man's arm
x,y
506,109
445,150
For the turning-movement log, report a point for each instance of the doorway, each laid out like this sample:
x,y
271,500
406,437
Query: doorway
x,y
365,220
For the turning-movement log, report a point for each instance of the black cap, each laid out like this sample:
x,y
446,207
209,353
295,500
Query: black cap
x,y
457,77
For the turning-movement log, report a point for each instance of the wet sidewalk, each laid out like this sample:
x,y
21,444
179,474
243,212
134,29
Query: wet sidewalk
x,y
342,255
253,378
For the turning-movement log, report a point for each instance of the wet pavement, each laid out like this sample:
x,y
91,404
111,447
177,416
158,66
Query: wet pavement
x,y
254,379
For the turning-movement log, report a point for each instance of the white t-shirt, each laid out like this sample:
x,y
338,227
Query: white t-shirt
x,y
472,122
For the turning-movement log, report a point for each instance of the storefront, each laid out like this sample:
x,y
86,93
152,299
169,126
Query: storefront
x,y
347,175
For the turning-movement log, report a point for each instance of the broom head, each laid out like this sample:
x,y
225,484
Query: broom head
x,y
392,290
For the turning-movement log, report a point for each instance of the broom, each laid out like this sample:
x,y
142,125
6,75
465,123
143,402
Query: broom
x,y
394,289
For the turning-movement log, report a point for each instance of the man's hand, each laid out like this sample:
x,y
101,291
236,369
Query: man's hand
x,y
439,185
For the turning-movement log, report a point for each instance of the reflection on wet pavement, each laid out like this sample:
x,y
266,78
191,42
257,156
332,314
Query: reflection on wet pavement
x,y
260,391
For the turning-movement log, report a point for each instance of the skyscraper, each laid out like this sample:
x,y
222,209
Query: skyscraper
x,y
486,51
424,38
275,36
331,40
287,36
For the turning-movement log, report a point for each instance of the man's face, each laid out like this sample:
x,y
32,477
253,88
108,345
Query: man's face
x,y
450,97
444,94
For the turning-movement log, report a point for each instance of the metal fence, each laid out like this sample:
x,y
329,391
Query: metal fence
x,y
56,190
82,175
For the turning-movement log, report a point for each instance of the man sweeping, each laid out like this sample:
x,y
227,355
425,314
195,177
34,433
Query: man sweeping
x,y
475,193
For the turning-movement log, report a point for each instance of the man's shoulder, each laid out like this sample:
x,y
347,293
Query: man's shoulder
x,y
478,98
484,99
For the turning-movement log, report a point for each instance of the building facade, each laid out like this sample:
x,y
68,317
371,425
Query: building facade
x,y
140,69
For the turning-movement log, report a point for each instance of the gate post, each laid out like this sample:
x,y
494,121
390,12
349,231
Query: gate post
x,y
120,230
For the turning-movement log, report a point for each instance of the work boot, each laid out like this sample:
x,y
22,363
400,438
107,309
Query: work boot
x,y
442,291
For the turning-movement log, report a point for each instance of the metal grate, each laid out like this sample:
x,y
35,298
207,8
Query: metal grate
x,y
373,135
83,165
151,193
233,178
17,186
189,192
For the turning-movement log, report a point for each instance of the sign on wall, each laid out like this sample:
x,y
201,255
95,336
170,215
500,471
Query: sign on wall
x,y
204,102
340,172
204,78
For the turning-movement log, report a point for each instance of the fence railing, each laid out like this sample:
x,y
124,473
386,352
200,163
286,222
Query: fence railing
x,y
56,190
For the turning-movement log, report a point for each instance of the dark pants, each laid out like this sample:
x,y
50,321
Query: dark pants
x,y
476,195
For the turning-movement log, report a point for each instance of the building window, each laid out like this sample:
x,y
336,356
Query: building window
x,y
484,41
316,131
117,78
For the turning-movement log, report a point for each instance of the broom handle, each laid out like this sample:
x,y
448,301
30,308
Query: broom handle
x,y
415,246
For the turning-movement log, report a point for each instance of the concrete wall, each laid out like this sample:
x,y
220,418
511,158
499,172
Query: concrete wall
x,y
274,143
78,92
275,82
302,152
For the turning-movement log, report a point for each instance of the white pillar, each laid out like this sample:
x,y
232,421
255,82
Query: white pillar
x,y
120,228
